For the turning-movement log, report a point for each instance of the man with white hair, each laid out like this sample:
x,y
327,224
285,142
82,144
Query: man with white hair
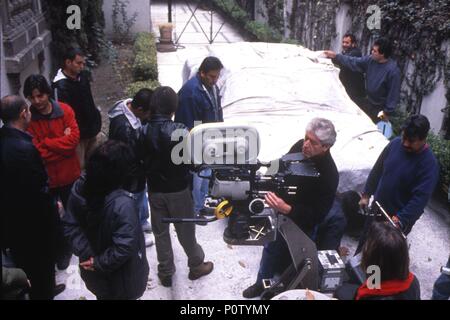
x,y
309,206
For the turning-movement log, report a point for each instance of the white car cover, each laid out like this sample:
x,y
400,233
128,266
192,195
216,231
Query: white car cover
x,y
279,88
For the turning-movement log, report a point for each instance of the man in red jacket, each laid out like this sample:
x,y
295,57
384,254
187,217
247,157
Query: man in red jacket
x,y
56,135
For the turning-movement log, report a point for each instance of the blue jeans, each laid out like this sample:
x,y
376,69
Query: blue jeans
x,y
441,289
275,258
143,204
332,229
200,189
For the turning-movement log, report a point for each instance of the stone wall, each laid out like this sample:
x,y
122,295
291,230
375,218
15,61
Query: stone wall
x,y
25,43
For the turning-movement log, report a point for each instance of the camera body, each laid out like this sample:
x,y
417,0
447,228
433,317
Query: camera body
x,y
231,152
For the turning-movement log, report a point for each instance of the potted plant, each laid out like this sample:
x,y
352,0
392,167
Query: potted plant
x,y
165,31
165,40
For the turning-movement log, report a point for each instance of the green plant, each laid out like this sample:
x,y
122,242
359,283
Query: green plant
x,y
397,121
144,42
259,30
441,149
262,31
134,87
145,65
121,23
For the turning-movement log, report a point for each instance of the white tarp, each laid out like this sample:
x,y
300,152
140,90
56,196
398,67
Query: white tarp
x,y
279,88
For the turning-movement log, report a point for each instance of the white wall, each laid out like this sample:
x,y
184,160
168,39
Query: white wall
x,y
436,101
142,7
432,106
343,24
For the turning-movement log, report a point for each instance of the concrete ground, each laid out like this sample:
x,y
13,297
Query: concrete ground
x,y
236,266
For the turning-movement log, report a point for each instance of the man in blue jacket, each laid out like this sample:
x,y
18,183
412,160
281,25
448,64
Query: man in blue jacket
x,y
383,79
199,102
404,176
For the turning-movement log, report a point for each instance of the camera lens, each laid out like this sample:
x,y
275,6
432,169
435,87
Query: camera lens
x,y
256,206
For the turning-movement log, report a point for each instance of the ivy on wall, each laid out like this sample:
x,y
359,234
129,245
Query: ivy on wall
x,y
313,23
418,30
255,30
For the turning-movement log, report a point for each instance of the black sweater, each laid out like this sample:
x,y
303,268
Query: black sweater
x,y
315,196
78,95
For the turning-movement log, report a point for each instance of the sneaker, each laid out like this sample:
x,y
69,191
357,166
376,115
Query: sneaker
x,y
148,240
166,281
201,270
58,289
63,262
207,212
255,290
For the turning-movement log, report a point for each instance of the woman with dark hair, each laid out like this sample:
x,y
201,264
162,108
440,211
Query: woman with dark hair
x,y
386,250
102,223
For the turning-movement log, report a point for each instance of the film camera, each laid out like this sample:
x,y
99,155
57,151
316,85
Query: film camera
x,y
238,183
237,187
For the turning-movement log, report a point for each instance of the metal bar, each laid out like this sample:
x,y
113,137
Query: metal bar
x,y
389,218
193,14
199,24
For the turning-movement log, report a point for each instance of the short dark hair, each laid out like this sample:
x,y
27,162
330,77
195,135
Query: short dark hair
x,y
416,126
109,168
11,107
351,36
384,46
142,99
71,53
36,81
164,101
386,248
209,64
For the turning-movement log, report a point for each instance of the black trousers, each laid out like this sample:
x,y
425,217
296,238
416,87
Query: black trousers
x,y
64,249
370,109
39,266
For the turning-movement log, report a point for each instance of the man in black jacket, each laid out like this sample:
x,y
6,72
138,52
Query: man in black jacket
x,y
352,81
309,206
71,85
126,117
29,216
168,187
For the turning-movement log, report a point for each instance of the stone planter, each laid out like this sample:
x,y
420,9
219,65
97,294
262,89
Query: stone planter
x,y
165,40
165,31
